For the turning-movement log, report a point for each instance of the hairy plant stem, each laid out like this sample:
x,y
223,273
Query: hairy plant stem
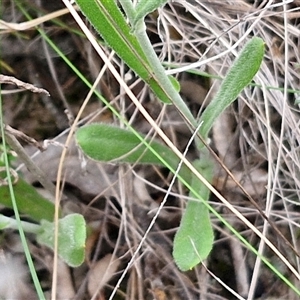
x,y
129,9
141,35
161,75
13,224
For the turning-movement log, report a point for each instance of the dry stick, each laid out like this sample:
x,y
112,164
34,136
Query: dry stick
x,y
233,292
24,137
22,84
270,198
239,264
31,166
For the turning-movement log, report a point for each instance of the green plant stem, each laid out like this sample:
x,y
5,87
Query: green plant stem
x,y
163,78
129,9
13,224
159,71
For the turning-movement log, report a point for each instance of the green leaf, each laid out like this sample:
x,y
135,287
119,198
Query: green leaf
x,y
175,83
103,142
71,238
108,20
194,238
144,7
238,77
29,201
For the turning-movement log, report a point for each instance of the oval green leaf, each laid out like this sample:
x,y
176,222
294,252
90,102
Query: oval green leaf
x,y
194,238
103,142
111,24
71,238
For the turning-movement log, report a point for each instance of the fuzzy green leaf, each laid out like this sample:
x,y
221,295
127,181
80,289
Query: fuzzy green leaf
x,y
108,20
194,238
238,77
103,142
71,238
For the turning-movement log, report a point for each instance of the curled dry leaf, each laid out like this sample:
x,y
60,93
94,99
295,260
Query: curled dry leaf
x,y
101,273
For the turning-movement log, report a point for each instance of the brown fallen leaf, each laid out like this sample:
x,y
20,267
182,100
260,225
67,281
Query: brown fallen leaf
x,y
101,273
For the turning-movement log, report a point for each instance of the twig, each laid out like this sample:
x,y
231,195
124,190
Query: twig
x,y
22,84
24,137
31,166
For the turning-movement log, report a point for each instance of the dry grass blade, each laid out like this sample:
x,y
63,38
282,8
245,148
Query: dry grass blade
x,y
29,25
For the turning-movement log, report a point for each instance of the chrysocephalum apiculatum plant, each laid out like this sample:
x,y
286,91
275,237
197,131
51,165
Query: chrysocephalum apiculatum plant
x,y
194,238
